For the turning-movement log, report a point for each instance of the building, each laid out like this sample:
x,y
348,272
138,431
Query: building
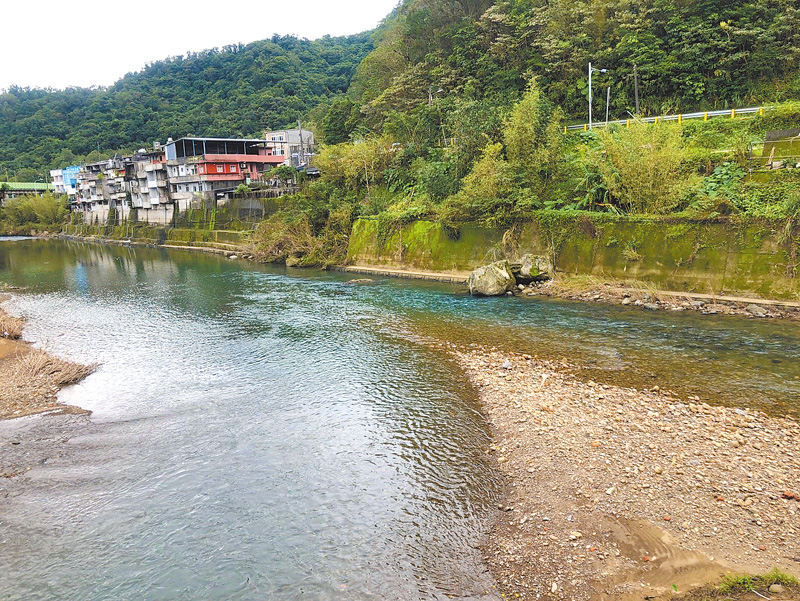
x,y
205,168
296,146
15,189
146,172
65,180
100,188
175,176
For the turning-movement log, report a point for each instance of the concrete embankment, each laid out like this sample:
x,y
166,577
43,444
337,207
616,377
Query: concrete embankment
x,y
200,239
717,258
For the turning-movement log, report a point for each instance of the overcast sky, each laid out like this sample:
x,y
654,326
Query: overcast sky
x,y
44,43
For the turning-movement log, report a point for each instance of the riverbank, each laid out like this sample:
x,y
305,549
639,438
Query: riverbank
x,y
627,293
647,297
31,378
586,288
618,494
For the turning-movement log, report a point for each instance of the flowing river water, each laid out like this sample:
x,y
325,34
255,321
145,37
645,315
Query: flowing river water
x,y
263,433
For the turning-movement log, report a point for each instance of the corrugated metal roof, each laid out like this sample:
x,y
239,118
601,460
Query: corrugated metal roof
x,y
219,140
27,186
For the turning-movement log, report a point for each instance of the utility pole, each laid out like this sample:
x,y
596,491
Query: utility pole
x,y
636,87
590,95
608,102
302,155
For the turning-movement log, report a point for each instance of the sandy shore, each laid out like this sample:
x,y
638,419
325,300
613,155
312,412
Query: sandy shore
x,y
620,494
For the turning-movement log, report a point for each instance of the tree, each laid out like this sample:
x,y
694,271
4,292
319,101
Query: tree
x,y
532,135
283,173
642,166
340,120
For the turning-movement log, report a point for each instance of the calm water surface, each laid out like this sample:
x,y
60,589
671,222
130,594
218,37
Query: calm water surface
x,y
271,434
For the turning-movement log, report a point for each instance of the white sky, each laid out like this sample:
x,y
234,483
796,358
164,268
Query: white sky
x,y
44,43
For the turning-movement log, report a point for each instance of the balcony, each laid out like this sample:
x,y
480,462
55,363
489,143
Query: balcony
x,y
185,179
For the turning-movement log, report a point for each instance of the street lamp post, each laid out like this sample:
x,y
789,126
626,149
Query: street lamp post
x,y
590,90
431,94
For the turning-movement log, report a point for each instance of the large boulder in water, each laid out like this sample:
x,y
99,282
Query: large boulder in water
x,y
492,280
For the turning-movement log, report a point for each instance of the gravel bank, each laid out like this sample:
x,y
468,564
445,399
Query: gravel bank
x,y
614,493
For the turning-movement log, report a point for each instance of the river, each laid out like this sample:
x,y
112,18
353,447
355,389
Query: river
x,y
263,433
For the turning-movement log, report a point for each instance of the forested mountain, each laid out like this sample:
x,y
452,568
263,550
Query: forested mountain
x,y
238,90
689,53
473,57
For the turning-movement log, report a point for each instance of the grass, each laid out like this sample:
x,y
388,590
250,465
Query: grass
x,y
567,285
734,584
574,284
10,327
745,587
37,365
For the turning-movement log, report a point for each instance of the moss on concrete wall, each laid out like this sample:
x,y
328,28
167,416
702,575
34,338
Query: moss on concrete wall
x,y
725,257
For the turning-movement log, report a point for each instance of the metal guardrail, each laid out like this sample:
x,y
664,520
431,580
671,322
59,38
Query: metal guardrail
x,y
704,115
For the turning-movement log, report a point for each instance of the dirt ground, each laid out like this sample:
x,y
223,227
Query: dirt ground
x,y
620,494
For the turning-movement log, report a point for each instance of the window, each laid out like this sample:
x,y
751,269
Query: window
x,y
220,169
233,168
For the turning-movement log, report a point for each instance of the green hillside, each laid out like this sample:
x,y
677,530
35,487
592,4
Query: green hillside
x,y
690,54
458,116
234,91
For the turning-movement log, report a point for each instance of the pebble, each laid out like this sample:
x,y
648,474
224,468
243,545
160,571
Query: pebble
x,y
616,442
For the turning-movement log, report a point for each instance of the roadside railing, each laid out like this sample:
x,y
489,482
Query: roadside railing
x,y
704,115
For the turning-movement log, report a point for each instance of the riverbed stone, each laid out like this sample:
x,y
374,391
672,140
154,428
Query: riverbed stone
x,y
494,279
534,268
756,310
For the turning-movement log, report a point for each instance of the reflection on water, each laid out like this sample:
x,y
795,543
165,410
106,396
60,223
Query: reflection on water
x,y
259,437
274,434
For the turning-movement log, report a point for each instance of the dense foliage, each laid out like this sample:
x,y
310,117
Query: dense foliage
x,y
690,54
25,213
238,90
457,113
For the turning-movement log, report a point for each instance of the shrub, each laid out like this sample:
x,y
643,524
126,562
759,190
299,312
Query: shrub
x,y
42,212
642,167
486,193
